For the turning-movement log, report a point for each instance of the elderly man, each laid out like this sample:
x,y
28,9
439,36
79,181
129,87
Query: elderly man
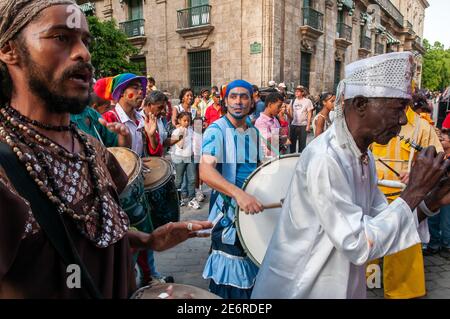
x,y
62,231
230,155
335,219
404,272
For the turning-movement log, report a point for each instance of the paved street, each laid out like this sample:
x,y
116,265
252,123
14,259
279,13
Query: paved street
x,y
185,262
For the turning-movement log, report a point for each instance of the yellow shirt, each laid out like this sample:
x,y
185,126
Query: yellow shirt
x,y
397,153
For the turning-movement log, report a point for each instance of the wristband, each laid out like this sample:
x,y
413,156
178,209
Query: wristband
x,y
423,207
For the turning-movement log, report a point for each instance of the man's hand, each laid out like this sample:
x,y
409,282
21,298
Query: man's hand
x,y
427,171
440,196
122,131
172,234
248,203
117,128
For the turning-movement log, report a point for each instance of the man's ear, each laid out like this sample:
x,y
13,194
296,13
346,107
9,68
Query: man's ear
x,y
9,54
360,104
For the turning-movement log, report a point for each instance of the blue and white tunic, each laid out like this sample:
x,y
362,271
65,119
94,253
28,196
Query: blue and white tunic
x,y
228,266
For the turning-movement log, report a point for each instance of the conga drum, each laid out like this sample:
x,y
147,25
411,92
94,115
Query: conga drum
x,y
132,199
159,291
160,190
269,183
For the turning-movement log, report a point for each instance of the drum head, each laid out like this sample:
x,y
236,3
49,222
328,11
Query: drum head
x,y
157,171
129,161
179,292
269,184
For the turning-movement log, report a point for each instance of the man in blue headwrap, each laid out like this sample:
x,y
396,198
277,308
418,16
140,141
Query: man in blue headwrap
x,y
225,169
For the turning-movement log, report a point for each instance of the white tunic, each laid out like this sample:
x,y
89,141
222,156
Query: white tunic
x,y
333,222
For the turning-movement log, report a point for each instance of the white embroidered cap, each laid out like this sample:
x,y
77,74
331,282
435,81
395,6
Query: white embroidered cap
x,y
387,75
383,76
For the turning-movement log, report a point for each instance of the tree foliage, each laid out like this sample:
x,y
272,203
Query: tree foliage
x,y
110,49
436,66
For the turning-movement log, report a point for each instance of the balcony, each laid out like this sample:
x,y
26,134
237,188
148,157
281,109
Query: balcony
x,y
135,30
312,27
391,10
418,45
379,48
343,36
366,43
313,18
344,32
194,21
365,47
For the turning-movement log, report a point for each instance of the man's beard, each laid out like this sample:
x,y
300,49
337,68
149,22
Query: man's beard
x,y
55,103
237,116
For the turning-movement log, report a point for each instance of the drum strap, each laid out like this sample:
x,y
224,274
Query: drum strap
x,y
47,216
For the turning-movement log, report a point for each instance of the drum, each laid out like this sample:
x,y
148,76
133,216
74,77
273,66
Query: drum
x,y
132,199
269,183
160,190
159,291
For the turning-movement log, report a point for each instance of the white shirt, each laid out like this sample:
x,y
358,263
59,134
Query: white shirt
x,y
135,129
334,220
300,110
186,150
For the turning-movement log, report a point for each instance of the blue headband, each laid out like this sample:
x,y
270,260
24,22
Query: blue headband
x,y
239,84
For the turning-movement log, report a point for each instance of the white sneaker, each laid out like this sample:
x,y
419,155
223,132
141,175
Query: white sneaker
x,y
199,196
194,204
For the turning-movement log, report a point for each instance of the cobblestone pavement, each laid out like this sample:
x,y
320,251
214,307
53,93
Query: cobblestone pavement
x,y
186,261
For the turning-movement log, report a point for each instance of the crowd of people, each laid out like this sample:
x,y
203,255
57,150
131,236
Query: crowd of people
x,y
369,187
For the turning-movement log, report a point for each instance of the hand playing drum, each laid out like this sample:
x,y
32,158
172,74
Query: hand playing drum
x,y
248,203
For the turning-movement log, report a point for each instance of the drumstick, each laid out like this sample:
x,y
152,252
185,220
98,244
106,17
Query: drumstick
x,y
274,205
390,168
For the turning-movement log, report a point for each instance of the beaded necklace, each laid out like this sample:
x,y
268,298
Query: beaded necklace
x,y
14,128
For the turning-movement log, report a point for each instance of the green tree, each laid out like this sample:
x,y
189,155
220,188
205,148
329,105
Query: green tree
x,y
436,66
110,49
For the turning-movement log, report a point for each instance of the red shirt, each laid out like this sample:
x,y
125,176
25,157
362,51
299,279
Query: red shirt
x,y
212,115
111,116
159,149
446,123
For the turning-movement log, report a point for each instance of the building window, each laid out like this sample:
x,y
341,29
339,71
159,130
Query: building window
x,y
199,70
196,3
337,74
305,69
135,10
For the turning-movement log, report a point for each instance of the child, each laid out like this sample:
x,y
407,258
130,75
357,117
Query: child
x,y
182,157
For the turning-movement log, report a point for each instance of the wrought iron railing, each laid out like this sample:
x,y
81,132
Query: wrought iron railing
x,y
409,25
366,43
313,18
133,28
391,10
379,48
194,17
344,31
419,41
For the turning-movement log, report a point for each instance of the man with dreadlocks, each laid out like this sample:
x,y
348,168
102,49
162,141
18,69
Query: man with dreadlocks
x,y
59,208
335,218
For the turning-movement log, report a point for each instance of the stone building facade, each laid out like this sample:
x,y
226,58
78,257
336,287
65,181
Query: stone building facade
x,y
199,43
